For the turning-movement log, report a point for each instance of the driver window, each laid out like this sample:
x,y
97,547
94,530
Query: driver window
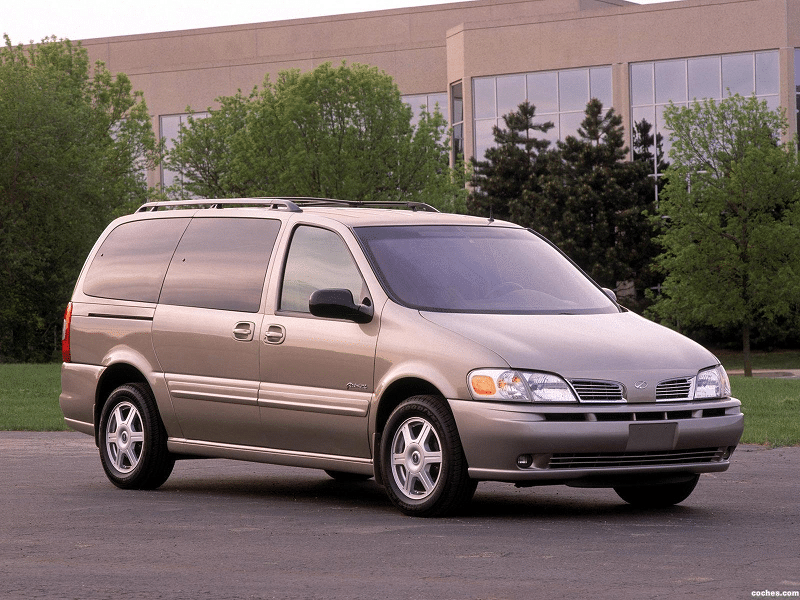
x,y
318,259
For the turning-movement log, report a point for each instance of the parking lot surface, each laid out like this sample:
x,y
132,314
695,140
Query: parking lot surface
x,y
222,529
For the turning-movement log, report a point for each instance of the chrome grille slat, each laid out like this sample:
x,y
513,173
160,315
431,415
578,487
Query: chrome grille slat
x,y
589,390
680,388
633,459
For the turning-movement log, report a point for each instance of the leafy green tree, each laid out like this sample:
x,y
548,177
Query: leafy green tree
x,y
75,144
340,132
506,184
732,246
597,201
203,152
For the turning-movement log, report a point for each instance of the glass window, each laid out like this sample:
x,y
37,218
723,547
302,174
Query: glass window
x,y
484,137
670,81
318,259
543,91
457,116
170,126
767,73
737,74
797,86
429,103
642,84
131,263
600,85
569,123
485,105
573,89
704,78
221,264
559,97
479,270
510,93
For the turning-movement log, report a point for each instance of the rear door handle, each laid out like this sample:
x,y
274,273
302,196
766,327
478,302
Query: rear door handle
x,y
243,331
275,334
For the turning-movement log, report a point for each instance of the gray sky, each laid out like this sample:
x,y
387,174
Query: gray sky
x,y
32,20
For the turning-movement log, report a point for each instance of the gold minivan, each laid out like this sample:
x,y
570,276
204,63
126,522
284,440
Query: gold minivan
x,y
428,350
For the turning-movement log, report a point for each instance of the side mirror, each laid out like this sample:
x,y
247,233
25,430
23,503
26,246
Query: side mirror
x,y
339,304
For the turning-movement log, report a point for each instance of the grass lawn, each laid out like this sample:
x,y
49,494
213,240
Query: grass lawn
x,y
29,399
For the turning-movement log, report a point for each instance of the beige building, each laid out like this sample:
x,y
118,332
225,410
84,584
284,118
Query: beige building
x,y
480,59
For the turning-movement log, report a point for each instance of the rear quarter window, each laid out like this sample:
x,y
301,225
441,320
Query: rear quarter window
x,y
132,260
221,263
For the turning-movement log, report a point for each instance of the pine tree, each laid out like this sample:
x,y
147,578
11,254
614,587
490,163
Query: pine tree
x,y
506,183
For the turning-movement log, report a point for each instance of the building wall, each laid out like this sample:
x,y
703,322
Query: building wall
x,y
427,49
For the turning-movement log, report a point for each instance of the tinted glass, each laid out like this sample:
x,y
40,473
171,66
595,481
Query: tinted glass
x,y
484,96
600,85
573,89
766,73
704,78
131,263
318,259
221,263
510,93
737,74
478,269
670,81
642,83
543,91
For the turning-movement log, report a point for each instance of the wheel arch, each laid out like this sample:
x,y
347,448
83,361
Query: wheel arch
x,y
112,377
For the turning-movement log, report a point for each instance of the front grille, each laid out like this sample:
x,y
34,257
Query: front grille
x,y
675,389
598,391
608,460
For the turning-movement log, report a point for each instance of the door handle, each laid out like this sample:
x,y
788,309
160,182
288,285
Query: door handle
x,y
275,334
243,331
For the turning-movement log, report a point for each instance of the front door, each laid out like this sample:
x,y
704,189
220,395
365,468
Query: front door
x,y
316,373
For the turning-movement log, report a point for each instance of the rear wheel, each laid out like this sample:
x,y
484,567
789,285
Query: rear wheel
x,y
133,441
657,495
423,463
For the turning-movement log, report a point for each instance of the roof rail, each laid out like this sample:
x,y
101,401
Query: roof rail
x,y
301,201
290,204
272,203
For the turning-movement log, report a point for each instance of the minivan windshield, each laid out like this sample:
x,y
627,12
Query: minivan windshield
x,y
478,269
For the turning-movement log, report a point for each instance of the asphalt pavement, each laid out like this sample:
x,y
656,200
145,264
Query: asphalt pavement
x,y
222,529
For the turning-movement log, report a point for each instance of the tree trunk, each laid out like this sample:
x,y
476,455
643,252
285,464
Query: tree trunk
x,y
748,361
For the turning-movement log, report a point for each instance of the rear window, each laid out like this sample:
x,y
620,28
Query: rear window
x,y
132,261
221,263
479,269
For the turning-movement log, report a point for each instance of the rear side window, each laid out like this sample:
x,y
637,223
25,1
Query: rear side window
x,y
221,263
132,261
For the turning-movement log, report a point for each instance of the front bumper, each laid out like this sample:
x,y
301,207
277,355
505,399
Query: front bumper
x,y
580,443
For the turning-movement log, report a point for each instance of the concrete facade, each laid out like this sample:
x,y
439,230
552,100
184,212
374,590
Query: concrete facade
x,y
428,49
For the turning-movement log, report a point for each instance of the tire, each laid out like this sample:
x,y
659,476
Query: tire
x,y
422,461
133,441
347,477
657,495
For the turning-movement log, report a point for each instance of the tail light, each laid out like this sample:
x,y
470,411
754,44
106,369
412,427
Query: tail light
x,y
66,355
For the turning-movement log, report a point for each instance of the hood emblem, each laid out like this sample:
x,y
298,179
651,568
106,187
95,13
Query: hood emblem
x,y
640,385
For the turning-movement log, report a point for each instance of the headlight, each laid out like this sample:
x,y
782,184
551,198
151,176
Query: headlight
x,y
712,383
518,386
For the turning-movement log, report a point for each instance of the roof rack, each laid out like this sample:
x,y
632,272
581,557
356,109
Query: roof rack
x,y
364,203
272,203
290,204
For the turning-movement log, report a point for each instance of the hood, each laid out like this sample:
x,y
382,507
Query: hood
x,y
621,347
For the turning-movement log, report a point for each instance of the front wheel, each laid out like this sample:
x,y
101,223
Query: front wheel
x,y
422,460
657,495
133,441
